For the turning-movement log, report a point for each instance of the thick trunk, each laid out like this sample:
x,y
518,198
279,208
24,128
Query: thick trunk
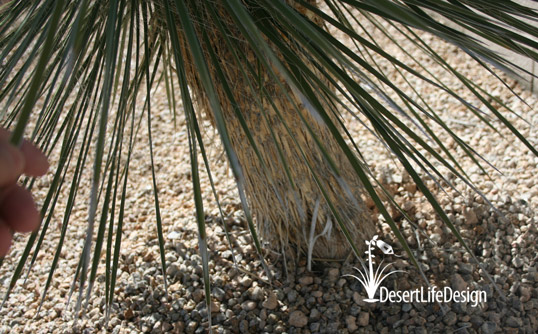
x,y
284,208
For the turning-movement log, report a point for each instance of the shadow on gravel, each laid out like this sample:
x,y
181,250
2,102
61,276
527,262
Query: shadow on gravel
x,y
328,301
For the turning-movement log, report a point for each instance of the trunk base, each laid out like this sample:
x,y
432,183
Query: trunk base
x,y
290,185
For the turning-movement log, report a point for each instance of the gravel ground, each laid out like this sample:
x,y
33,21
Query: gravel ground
x,y
322,301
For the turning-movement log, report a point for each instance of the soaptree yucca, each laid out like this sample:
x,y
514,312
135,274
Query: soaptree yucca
x,y
275,81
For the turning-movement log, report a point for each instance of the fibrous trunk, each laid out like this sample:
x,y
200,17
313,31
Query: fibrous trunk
x,y
290,185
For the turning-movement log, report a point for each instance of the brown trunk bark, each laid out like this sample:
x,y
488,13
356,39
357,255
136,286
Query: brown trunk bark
x,y
283,210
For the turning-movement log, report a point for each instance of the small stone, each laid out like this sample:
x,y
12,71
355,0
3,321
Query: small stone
x,y
488,327
189,306
465,268
363,319
476,321
130,289
406,307
316,294
460,308
307,280
333,274
128,314
351,323
179,327
420,330
517,304
59,307
114,322
358,299
243,326
420,320
263,314
517,261
149,257
272,318
245,281
393,319
436,238
514,322
166,327
410,187
511,330
292,296
174,235
315,315
470,216
249,305
157,327
525,293
215,307
256,293
450,318
191,326
280,329
198,295
271,302
219,293
457,282
173,270
332,327
494,317
298,319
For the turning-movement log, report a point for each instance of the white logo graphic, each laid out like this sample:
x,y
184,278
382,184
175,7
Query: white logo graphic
x,y
372,280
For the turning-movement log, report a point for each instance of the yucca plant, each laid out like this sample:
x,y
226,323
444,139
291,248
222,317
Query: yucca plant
x,y
276,84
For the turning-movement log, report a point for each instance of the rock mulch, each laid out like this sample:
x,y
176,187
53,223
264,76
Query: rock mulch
x,y
325,300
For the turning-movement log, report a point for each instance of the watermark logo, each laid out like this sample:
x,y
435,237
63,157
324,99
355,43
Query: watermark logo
x,y
371,279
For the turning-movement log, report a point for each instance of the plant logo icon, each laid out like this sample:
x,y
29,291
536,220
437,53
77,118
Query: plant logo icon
x,y
369,279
